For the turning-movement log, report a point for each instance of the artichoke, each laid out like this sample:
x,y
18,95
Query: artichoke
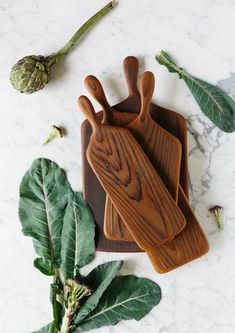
x,y
32,73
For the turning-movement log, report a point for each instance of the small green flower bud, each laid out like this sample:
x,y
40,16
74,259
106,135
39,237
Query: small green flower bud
x,y
74,292
56,132
216,211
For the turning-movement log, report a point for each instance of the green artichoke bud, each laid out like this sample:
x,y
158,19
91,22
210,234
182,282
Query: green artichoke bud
x,y
32,73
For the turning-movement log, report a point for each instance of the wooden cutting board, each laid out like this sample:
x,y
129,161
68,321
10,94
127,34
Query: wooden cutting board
x,y
164,148
189,245
94,194
138,193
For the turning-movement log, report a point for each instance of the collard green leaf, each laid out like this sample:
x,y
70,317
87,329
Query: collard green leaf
x,y
213,101
43,198
44,266
78,234
98,279
127,297
216,105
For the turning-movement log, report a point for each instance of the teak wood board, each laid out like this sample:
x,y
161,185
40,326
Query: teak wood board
x,y
162,146
93,191
172,121
189,245
130,180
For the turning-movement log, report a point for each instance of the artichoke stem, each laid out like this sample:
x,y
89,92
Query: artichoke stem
x,y
80,32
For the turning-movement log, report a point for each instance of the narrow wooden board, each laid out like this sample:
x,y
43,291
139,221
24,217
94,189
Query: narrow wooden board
x,y
95,196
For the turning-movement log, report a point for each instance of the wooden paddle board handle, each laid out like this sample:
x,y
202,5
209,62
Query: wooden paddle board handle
x,y
131,67
147,84
88,110
96,90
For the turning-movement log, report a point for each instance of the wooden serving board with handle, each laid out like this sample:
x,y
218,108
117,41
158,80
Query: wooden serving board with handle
x,y
136,190
164,148
191,243
93,192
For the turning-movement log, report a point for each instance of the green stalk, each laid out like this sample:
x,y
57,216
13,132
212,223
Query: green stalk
x,y
66,323
165,59
95,18
59,281
56,321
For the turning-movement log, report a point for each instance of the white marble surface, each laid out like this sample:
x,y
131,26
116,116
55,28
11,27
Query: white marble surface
x,y
198,297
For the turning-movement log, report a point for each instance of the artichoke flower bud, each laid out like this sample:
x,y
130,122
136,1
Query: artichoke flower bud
x,y
32,73
74,292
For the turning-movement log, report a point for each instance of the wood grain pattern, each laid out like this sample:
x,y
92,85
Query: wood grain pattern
x,y
95,195
175,124
114,228
129,178
111,116
190,244
163,150
93,192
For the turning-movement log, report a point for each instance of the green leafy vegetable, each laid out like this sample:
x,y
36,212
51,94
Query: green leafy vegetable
x,y
44,266
99,279
63,230
127,297
78,225
43,199
32,72
213,101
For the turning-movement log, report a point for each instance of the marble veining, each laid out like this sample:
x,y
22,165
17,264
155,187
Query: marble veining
x,y
198,297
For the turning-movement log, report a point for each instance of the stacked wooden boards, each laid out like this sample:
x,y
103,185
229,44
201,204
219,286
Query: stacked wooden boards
x,y
191,242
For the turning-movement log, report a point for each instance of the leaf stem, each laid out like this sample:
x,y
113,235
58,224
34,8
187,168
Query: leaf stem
x,y
58,280
80,32
56,321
